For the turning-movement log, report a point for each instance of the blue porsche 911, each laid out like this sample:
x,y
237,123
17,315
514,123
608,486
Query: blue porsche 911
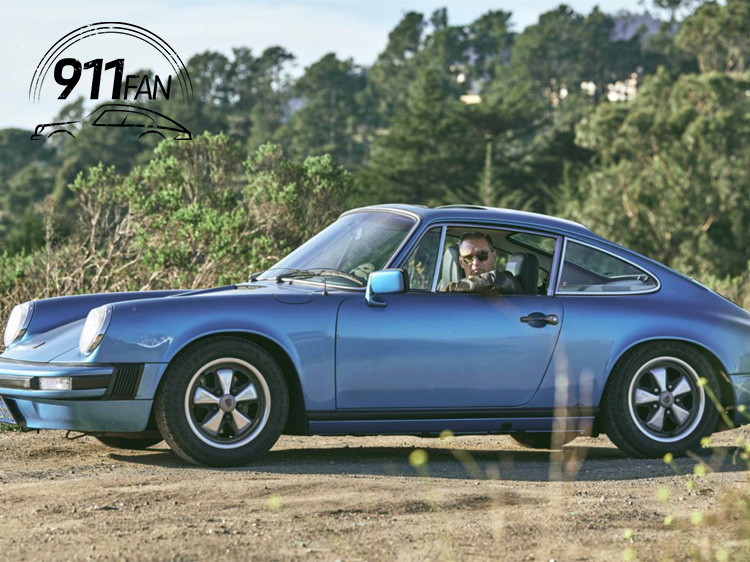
x,y
394,320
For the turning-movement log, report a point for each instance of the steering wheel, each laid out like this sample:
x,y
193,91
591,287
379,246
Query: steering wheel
x,y
363,270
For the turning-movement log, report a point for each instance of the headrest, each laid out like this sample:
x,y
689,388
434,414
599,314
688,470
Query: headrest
x,y
525,266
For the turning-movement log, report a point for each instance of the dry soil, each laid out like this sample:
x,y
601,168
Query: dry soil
x,y
360,498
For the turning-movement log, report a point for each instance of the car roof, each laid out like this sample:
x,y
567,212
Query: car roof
x,y
493,214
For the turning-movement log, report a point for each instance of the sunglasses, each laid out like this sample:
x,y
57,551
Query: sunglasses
x,y
469,258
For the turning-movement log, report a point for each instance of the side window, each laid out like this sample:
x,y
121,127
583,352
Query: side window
x,y
587,269
422,261
528,256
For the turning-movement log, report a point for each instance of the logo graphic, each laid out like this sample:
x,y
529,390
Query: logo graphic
x,y
68,73
143,121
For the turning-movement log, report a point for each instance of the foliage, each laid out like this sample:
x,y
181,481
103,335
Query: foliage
x,y
289,203
565,49
736,289
661,51
327,121
25,179
424,154
193,217
20,221
395,67
719,36
672,180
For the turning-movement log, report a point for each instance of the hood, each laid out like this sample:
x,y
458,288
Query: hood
x,y
57,323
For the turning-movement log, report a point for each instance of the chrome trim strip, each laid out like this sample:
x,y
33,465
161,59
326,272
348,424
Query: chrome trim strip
x,y
25,326
554,268
26,322
407,238
439,263
602,293
416,244
417,221
108,310
411,214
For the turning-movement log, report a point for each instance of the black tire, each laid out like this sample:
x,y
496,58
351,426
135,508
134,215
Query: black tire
x,y
192,402
133,442
542,440
647,421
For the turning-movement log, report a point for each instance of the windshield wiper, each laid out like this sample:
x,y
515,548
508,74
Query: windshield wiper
x,y
254,276
322,272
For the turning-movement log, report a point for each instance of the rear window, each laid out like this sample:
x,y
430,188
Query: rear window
x,y
587,269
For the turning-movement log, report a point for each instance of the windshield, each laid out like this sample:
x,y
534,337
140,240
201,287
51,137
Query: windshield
x,y
357,244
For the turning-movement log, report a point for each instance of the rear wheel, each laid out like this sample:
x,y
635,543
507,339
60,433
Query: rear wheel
x,y
658,401
543,440
223,402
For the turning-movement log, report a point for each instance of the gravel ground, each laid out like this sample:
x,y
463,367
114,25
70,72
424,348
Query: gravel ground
x,y
368,498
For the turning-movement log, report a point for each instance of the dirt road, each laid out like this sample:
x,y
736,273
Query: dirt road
x,y
316,498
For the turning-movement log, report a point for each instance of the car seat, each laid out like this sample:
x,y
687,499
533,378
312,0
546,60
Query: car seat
x,y
525,266
450,270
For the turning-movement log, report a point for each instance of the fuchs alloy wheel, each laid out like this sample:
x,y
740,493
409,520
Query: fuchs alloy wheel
x,y
665,399
658,401
224,402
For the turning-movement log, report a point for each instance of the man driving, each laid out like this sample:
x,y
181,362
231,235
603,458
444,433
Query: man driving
x,y
477,259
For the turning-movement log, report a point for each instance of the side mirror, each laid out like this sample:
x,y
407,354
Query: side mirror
x,y
385,282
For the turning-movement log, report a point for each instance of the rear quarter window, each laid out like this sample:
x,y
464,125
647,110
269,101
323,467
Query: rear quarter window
x,y
590,270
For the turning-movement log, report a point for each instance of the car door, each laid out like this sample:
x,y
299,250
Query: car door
x,y
427,349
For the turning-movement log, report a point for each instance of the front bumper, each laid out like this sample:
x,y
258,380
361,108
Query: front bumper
x,y
114,398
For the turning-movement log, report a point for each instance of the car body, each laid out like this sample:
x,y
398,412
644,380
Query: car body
x,y
143,122
352,334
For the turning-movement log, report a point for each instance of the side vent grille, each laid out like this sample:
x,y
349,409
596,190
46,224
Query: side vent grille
x,y
124,382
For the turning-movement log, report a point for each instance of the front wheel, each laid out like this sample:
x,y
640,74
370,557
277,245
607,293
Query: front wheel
x,y
658,401
223,402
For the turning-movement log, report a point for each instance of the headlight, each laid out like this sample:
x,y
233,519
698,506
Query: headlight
x,y
94,329
18,323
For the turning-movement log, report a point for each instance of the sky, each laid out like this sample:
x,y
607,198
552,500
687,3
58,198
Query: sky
x,y
354,29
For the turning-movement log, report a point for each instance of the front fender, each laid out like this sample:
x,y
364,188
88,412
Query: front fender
x,y
156,330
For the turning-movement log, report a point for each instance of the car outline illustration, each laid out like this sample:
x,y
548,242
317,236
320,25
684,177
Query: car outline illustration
x,y
117,115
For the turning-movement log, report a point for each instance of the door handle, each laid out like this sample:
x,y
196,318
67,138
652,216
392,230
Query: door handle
x,y
539,317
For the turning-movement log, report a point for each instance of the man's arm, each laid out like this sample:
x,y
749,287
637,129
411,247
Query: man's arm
x,y
490,283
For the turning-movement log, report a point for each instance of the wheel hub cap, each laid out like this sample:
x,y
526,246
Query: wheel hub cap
x,y
227,403
666,399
